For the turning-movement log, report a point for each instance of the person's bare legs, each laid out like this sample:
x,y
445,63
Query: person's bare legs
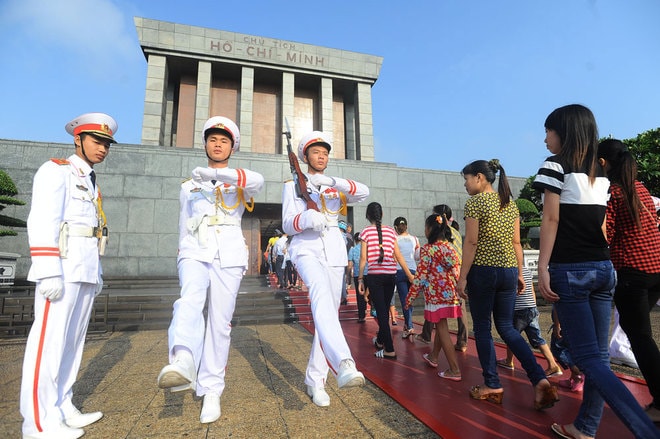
x,y
443,341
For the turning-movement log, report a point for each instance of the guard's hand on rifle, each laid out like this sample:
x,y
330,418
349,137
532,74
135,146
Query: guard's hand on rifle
x,y
319,180
311,219
202,174
51,287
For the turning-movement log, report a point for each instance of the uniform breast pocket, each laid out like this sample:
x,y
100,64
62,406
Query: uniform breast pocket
x,y
82,203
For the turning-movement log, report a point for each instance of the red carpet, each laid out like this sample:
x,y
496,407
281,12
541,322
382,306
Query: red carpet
x,y
446,407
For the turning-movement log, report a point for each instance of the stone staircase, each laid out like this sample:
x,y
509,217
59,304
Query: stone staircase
x,y
138,304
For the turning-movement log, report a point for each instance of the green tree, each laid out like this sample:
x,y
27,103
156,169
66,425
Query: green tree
x,y
7,192
529,217
530,194
646,150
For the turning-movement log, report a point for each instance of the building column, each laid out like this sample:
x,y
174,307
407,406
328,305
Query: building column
x,y
202,101
153,119
365,131
245,107
288,99
327,117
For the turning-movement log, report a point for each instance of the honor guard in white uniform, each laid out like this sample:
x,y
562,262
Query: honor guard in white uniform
x,y
318,251
212,259
67,232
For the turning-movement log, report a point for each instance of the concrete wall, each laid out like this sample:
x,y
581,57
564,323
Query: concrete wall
x,y
140,187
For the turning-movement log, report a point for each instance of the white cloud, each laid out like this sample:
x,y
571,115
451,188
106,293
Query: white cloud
x,y
95,30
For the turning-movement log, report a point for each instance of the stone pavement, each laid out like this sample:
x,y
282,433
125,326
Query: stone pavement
x,y
265,394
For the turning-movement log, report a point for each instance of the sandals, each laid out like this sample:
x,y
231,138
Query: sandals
x,y
548,399
408,333
431,363
503,363
560,430
494,397
551,372
449,375
382,354
575,383
376,344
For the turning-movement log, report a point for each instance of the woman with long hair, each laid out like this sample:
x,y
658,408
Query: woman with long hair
x,y
491,276
634,238
381,252
575,271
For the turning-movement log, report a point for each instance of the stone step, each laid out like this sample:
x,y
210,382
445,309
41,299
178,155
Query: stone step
x,y
139,304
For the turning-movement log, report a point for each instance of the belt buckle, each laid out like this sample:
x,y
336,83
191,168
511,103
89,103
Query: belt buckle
x,y
97,232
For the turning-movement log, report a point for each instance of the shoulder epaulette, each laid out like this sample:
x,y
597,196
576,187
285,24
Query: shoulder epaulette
x,y
60,161
186,180
286,181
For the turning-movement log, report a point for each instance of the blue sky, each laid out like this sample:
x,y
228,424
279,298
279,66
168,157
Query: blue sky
x,y
460,81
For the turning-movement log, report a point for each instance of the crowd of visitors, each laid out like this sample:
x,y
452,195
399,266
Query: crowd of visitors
x,y
599,247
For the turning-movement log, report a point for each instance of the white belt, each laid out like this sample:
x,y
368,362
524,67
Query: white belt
x,y
223,220
85,231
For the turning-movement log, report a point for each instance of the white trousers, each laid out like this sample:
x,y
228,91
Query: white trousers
x,y
52,356
329,345
208,342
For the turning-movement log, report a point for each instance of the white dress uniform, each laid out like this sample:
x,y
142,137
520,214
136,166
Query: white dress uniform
x,y
320,258
212,259
63,198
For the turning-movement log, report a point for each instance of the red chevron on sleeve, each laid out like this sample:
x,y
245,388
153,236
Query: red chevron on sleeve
x,y
296,223
242,179
353,187
44,251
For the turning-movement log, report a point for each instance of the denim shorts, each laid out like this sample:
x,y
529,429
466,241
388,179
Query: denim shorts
x,y
527,320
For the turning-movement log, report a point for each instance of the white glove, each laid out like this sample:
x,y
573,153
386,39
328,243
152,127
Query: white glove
x,y
99,286
312,219
51,287
319,180
201,174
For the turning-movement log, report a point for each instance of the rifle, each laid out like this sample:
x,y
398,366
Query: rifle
x,y
299,179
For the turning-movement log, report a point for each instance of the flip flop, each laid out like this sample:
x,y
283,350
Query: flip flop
x,y
448,375
430,362
560,431
381,354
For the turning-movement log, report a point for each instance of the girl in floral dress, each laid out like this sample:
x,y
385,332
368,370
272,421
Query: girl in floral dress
x,y
437,273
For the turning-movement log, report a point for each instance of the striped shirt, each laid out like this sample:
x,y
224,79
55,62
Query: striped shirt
x,y
370,236
581,212
630,246
527,298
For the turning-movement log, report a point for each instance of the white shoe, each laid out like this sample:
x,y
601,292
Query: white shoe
x,y
80,420
348,375
180,375
62,432
210,408
319,396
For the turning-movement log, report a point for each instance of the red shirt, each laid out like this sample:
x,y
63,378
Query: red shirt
x,y
630,246
370,236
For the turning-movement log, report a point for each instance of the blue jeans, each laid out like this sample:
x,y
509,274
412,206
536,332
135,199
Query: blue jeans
x,y
527,320
585,293
402,286
492,291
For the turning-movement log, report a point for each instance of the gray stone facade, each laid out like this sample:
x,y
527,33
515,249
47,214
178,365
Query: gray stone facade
x,y
140,187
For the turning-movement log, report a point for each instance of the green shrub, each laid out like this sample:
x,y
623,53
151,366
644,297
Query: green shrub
x,y
7,193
